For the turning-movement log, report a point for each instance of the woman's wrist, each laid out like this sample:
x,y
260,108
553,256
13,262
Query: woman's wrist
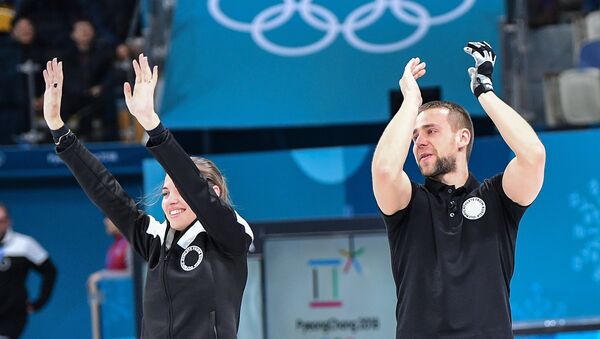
x,y
151,122
55,124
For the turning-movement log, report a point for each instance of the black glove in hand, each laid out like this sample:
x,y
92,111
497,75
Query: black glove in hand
x,y
481,74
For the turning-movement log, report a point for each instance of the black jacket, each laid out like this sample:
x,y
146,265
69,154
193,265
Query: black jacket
x,y
19,254
194,289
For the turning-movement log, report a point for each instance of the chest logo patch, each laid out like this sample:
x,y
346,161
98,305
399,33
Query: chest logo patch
x,y
4,264
473,208
191,258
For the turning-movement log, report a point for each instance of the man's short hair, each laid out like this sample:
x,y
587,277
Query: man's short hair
x,y
458,118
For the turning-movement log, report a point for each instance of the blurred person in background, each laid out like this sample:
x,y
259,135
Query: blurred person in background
x,y
129,129
89,102
18,255
53,20
117,266
115,20
542,13
21,85
118,259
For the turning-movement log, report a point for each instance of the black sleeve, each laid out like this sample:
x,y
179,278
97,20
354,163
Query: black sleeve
x,y
63,137
158,135
48,272
395,220
221,222
106,193
512,210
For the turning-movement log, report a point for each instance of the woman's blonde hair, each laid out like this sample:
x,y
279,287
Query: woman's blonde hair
x,y
212,174
209,171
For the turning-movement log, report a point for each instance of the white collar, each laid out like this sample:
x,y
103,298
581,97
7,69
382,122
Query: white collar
x,y
190,234
8,236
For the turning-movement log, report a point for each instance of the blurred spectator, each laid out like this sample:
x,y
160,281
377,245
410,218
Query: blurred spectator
x,y
129,129
551,12
52,18
115,20
542,13
124,53
117,265
117,24
88,97
23,32
21,82
118,258
18,255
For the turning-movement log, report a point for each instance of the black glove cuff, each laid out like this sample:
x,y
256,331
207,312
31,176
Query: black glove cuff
x,y
482,88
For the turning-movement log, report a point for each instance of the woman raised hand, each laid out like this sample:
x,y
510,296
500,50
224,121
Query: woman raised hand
x,y
140,98
53,77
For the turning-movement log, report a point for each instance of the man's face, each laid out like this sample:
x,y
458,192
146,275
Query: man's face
x,y
434,143
4,221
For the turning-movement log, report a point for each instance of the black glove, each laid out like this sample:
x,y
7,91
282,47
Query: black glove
x,y
481,74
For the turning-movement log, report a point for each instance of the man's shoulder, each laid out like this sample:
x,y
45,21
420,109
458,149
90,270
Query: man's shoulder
x,y
491,183
418,202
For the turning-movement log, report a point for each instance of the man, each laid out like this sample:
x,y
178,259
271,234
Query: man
x,y
452,240
18,254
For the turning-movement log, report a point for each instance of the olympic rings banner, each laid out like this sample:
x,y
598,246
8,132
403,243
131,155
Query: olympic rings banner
x,y
271,63
323,19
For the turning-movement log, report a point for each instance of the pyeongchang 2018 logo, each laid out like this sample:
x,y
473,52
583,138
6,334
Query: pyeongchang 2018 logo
x,y
326,276
322,19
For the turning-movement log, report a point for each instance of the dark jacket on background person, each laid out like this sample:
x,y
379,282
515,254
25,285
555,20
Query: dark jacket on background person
x,y
19,254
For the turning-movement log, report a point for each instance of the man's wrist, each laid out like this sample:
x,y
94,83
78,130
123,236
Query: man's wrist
x,y
414,99
483,89
485,95
481,84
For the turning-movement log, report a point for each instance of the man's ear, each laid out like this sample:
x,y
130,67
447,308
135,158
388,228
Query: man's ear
x,y
463,138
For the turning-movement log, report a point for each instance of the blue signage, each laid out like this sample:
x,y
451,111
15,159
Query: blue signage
x,y
16,162
269,63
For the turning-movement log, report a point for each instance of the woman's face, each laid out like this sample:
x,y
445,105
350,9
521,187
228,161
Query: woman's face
x,y
178,213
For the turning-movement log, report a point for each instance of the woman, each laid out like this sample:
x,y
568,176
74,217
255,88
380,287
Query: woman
x,y
197,258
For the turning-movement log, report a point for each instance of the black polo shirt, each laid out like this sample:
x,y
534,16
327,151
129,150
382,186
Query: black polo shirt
x,y
452,255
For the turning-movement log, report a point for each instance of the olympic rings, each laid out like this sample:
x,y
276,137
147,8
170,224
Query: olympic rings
x,y
323,19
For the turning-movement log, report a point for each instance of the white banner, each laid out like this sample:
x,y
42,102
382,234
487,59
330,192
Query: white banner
x,y
329,287
251,317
